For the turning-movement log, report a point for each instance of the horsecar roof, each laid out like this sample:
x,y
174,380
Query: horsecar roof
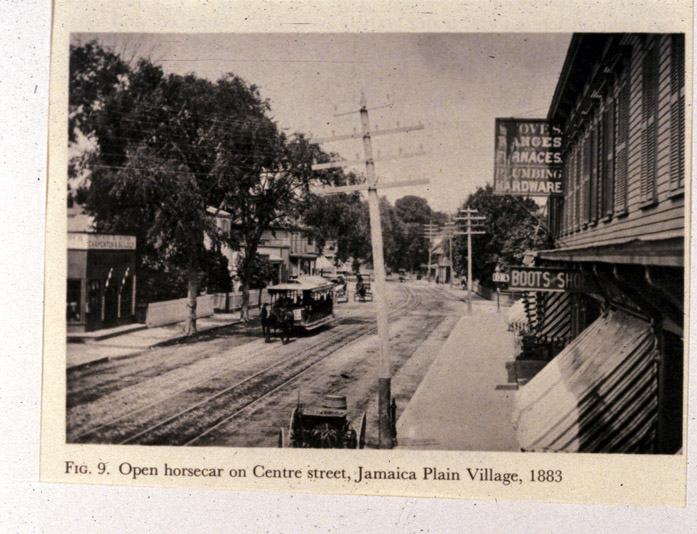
x,y
303,283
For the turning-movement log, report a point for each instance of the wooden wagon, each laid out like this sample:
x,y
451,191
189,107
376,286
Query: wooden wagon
x,y
323,427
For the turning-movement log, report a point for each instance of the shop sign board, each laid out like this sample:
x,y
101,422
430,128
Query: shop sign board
x,y
500,277
528,160
87,241
546,279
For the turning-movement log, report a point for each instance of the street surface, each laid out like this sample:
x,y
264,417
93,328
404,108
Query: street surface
x,y
230,388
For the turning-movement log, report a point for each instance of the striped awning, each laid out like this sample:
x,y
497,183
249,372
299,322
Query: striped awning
x,y
556,322
549,315
598,395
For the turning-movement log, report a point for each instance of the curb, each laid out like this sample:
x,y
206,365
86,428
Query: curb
x,y
163,343
181,337
92,339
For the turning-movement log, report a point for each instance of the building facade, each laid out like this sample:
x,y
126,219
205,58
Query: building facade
x,y
291,251
101,285
620,101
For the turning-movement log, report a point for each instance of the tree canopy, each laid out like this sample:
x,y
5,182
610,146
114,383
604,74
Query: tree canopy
x,y
166,148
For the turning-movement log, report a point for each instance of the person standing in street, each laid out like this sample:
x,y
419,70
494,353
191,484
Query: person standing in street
x,y
264,315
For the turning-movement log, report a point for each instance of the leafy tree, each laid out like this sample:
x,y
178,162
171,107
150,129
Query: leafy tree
x,y
262,272
342,217
413,209
169,147
512,227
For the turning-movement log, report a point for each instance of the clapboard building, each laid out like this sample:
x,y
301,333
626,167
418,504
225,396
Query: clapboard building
x,y
617,386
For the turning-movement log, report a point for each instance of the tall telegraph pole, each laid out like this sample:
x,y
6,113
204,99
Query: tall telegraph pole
x,y
469,216
385,430
430,232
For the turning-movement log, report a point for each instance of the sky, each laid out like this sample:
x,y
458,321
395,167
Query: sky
x,y
455,84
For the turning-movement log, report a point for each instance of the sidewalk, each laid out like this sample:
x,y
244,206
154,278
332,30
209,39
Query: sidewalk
x,y
465,400
136,341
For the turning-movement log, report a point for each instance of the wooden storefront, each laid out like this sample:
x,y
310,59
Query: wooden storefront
x,y
101,281
620,102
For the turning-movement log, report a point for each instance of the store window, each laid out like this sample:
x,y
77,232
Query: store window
x,y
73,314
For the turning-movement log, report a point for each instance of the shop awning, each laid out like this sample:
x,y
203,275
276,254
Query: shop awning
x,y
548,315
598,395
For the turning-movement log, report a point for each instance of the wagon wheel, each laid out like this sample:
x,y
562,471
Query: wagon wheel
x,y
361,432
282,438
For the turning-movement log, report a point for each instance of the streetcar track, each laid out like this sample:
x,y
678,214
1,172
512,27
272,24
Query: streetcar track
x,y
427,328
264,352
229,417
350,336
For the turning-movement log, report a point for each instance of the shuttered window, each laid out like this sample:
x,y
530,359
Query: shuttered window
x,y
677,112
567,189
621,145
586,178
649,135
608,195
572,189
577,185
594,200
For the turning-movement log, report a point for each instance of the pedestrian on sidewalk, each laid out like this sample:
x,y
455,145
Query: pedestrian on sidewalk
x,y
264,314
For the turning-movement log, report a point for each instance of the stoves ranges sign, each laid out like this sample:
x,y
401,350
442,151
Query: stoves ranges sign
x,y
546,279
528,158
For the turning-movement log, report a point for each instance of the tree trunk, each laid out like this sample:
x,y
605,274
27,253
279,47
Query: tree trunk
x,y
192,296
244,310
246,277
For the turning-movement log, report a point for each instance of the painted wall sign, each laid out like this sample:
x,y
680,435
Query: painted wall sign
x,y
85,241
546,279
528,158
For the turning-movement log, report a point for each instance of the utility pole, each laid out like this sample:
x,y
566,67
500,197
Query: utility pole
x,y
430,231
386,435
450,231
469,216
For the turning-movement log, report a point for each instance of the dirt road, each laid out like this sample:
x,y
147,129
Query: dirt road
x,y
232,389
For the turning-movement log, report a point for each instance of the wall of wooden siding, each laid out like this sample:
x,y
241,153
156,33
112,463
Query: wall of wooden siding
x,y
664,219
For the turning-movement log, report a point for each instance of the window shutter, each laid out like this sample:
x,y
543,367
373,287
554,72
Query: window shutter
x,y
577,185
587,145
649,133
565,186
609,159
677,112
596,169
622,127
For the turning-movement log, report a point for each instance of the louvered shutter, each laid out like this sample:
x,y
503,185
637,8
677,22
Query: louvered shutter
x,y
577,186
567,202
587,145
649,133
622,127
609,159
595,197
677,112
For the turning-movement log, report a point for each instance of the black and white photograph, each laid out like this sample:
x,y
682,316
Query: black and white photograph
x,y
416,241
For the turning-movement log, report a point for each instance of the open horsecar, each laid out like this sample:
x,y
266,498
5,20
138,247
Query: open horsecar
x,y
309,298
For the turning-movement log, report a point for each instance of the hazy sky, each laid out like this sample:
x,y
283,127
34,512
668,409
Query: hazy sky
x,y
454,84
